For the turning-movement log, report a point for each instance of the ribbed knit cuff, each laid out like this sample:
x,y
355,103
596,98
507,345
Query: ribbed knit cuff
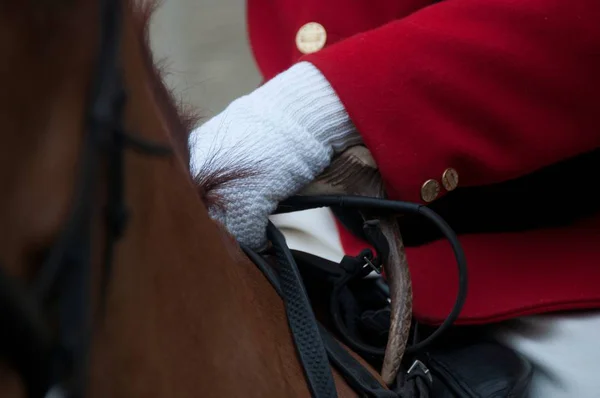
x,y
307,99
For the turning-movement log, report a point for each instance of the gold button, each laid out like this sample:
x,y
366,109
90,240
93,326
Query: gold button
x,y
430,190
311,37
450,179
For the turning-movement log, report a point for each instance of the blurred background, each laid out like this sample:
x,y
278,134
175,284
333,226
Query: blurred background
x,y
206,49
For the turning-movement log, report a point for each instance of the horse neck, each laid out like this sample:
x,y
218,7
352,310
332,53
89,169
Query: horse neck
x,y
185,311
186,314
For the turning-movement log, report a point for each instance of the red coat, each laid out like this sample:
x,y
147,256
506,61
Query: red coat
x,y
505,92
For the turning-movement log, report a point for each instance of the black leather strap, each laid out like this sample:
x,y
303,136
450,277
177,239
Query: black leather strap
x,y
316,363
296,203
313,346
302,321
353,372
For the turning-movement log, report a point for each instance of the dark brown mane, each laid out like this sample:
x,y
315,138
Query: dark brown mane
x,y
182,118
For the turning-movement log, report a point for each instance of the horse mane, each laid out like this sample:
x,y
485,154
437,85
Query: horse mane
x,y
181,116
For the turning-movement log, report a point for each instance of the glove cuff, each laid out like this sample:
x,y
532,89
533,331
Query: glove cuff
x,y
307,100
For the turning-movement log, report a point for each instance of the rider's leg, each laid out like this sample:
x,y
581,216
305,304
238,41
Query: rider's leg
x,y
564,350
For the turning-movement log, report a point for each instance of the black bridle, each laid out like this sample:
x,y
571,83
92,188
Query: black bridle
x,y
53,360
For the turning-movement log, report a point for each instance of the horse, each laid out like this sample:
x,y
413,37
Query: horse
x,y
106,244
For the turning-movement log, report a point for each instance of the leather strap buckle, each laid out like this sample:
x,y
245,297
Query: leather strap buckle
x,y
420,366
370,264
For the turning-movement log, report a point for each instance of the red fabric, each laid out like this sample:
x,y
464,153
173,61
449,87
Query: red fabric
x,y
496,89
510,275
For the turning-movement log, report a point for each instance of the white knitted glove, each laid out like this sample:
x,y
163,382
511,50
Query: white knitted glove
x,y
277,139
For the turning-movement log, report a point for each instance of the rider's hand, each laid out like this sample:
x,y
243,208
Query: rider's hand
x,y
273,142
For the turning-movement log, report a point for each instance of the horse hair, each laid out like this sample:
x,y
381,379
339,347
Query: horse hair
x,y
182,117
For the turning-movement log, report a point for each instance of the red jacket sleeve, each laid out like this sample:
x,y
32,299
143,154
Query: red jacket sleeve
x,y
495,89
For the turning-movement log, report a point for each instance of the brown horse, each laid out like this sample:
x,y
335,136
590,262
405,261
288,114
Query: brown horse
x,y
185,313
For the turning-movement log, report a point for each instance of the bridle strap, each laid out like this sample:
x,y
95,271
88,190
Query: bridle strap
x,y
103,110
68,269
61,289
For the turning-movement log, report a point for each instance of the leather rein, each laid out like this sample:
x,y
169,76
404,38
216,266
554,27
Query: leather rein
x,y
53,361
315,345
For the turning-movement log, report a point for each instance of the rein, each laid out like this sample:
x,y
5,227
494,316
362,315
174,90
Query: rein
x,y
314,344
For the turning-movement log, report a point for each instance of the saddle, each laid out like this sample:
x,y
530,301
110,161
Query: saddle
x,y
373,315
463,362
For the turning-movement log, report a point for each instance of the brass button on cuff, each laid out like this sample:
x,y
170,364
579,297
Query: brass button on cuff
x,y
311,37
430,190
450,179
